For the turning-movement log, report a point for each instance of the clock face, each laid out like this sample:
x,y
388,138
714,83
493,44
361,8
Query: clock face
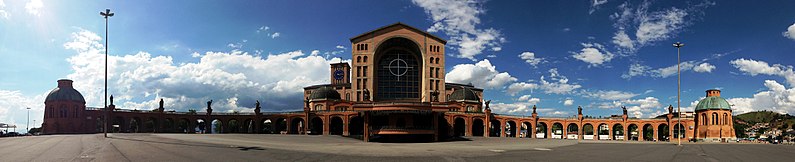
x,y
338,74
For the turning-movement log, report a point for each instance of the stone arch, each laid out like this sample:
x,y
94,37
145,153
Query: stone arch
x,y
233,126
679,131
407,50
541,130
648,132
201,125
135,125
633,132
297,126
280,125
118,125
183,126
662,132
356,126
618,132
150,125
725,118
168,125
217,126
267,126
316,126
477,127
526,129
248,126
459,126
336,125
572,131
495,127
588,131
557,130
510,127
603,132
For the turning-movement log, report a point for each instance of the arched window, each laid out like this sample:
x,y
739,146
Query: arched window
x,y
703,119
365,47
470,108
365,58
431,60
714,118
358,58
437,60
318,107
75,112
725,119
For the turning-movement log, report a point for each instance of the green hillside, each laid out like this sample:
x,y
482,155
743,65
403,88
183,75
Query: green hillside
x,y
759,117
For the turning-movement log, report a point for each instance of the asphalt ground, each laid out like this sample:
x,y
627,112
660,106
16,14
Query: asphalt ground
x,y
259,147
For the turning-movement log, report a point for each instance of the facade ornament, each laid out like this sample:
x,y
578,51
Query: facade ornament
x,y
111,99
257,108
366,95
534,109
625,109
579,110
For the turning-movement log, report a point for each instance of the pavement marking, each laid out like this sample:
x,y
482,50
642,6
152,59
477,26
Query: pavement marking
x,y
542,149
497,150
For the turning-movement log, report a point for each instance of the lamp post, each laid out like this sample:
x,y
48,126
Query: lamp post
x,y
27,128
678,45
106,14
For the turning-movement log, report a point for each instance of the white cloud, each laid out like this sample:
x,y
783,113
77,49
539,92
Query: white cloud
x,y
520,107
13,108
3,12
704,68
34,7
753,68
262,29
531,59
776,98
568,102
649,106
482,74
274,35
341,47
558,84
458,19
233,79
595,5
610,95
650,26
637,69
594,54
790,33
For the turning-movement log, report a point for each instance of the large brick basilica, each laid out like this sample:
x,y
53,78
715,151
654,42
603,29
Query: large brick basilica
x,y
393,88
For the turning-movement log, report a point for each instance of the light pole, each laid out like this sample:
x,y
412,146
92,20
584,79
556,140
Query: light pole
x,y
106,14
678,91
27,128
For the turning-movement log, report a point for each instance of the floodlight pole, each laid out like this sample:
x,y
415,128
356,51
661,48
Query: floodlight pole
x,y
678,91
106,14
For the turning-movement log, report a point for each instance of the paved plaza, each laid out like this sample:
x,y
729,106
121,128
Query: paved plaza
x,y
259,147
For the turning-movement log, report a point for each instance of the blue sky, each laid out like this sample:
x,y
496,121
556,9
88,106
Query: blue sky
x,y
600,54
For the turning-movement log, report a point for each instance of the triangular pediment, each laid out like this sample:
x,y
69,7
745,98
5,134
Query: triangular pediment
x,y
399,25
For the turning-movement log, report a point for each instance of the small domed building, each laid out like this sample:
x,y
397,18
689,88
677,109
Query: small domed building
x,y
714,121
64,107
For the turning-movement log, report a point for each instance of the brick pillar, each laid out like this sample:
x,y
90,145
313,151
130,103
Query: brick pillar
x,y
654,132
610,133
533,130
467,126
345,126
640,133
436,125
502,129
366,127
326,125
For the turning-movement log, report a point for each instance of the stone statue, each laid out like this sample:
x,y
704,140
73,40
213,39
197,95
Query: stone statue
x,y
487,104
161,103
625,109
209,104
366,95
579,110
306,102
257,108
111,99
534,109
670,109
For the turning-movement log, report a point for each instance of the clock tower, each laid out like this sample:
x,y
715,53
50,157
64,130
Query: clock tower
x,y
340,74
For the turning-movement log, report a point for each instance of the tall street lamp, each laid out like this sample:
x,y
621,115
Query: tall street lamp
x,y
106,14
27,128
678,95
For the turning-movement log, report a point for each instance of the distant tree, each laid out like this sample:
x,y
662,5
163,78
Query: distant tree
x,y
192,111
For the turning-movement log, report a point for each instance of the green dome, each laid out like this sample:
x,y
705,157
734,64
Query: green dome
x,y
713,103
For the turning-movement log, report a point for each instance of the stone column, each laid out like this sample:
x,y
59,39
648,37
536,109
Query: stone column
x,y
366,127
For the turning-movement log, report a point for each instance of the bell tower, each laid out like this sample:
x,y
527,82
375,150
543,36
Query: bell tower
x,y
340,73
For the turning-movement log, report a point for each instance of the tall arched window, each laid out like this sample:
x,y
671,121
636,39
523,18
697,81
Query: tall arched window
x,y
714,118
725,119
318,107
703,119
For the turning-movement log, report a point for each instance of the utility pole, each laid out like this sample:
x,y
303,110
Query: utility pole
x,y
106,14
27,128
678,91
